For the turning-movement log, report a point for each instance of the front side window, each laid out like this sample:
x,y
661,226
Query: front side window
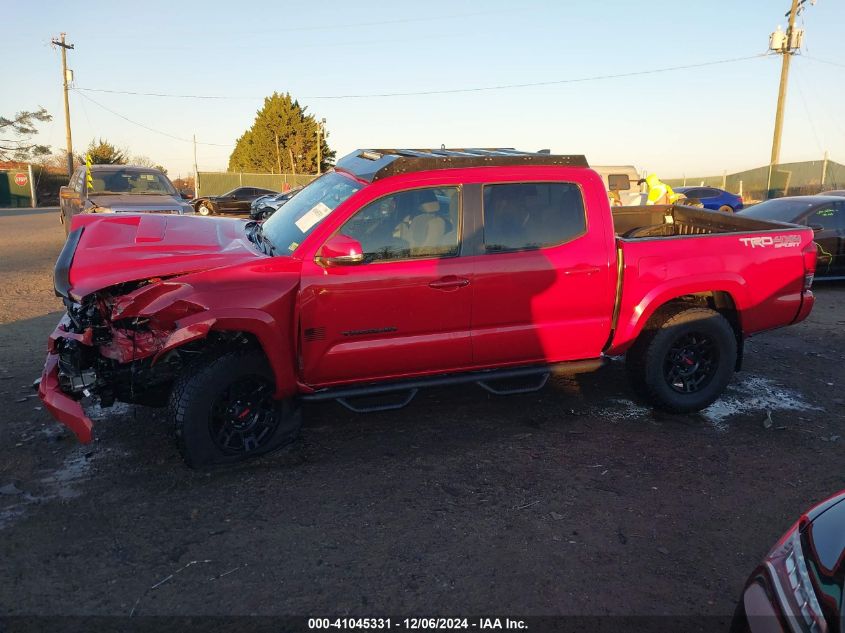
x,y
531,215
76,181
408,225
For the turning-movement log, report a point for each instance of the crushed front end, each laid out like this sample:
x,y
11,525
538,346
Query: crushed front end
x,y
91,355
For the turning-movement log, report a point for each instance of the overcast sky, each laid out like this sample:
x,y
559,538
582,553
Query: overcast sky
x,y
697,121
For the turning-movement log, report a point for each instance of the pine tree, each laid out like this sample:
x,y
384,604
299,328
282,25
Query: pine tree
x,y
282,130
104,153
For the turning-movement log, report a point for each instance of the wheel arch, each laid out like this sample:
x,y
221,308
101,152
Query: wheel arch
x,y
727,301
251,328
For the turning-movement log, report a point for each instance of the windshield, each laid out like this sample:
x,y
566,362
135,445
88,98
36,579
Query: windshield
x,y
295,220
131,181
779,209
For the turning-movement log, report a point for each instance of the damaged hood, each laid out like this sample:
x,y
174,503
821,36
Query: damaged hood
x,y
102,251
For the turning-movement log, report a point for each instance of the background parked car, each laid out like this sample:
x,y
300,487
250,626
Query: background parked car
x,y
834,192
824,214
267,206
120,189
235,201
712,198
800,584
261,200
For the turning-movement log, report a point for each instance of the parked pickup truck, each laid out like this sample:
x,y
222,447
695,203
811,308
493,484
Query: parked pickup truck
x,y
402,269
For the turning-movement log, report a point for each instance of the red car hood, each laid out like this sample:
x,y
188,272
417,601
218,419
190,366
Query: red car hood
x,y
115,249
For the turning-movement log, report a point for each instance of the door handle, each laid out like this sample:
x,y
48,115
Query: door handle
x,y
582,270
450,282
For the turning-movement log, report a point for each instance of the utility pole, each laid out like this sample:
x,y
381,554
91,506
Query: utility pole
x,y
278,154
196,173
785,45
786,48
321,130
65,74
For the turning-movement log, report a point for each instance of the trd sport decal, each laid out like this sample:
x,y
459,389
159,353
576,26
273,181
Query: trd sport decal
x,y
778,241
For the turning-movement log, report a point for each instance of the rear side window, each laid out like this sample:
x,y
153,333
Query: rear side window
x,y
532,215
831,217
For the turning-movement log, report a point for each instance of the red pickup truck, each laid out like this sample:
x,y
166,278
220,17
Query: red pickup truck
x,y
402,269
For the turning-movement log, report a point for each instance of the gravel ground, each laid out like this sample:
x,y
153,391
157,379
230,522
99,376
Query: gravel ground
x,y
574,500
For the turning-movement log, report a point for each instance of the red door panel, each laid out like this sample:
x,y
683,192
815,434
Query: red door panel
x,y
384,320
542,306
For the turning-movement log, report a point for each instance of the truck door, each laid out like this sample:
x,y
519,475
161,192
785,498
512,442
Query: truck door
x,y
544,286
406,309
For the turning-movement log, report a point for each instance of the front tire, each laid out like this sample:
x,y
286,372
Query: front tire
x,y
684,360
223,411
203,209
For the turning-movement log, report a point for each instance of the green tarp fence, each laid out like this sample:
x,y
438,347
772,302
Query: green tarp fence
x,y
15,188
215,183
787,179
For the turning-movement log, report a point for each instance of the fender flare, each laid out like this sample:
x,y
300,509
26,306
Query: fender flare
x,y
270,336
627,331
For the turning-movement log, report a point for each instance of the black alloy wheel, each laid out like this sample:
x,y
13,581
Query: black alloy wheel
x,y
691,362
243,417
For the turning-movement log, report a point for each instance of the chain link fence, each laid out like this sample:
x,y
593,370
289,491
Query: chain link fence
x,y
786,179
215,183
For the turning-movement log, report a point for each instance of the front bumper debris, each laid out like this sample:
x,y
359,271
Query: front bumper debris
x,y
61,406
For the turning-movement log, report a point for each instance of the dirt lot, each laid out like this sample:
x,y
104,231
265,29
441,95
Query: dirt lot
x,y
575,500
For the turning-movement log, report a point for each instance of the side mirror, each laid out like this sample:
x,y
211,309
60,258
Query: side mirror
x,y
817,227
66,192
340,250
185,195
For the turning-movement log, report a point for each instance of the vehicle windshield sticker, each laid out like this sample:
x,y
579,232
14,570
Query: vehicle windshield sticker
x,y
293,246
317,213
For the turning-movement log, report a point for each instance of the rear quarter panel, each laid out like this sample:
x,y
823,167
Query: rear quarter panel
x,y
764,278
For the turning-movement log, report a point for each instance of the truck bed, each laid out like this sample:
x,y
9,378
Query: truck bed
x,y
752,267
675,220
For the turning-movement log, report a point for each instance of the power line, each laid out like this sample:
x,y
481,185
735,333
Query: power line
x,y
637,73
823,61
147,127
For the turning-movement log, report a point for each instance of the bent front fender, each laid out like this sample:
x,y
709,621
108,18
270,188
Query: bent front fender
x,y
269,333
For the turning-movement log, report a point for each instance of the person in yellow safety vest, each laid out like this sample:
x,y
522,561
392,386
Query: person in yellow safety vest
x,y
659,192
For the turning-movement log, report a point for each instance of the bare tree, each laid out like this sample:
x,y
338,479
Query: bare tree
x,y
16,135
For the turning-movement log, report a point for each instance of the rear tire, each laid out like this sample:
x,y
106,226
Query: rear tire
x,y
684,360
726,208
223,410
203,209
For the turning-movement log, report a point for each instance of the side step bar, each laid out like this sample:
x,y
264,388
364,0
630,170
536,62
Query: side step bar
x,y
482,378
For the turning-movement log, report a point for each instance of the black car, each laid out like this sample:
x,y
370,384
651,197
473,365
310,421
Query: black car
x,y
800,586
235,201
824,214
